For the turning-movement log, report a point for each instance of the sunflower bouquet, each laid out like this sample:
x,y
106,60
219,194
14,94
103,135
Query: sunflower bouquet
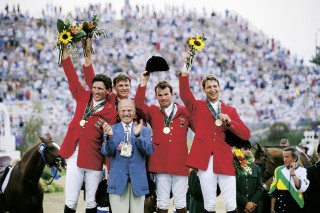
x,y
195,43
241,162
90,27
69,34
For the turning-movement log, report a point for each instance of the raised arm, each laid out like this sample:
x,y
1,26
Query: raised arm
x,y
141,95
75,86
88,70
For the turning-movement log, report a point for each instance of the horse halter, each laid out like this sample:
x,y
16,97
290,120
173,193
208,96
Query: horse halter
x,y
267,158
42,150
57,161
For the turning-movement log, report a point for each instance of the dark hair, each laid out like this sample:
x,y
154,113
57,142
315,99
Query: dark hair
x,y
294,151
121,77
209,77
162,85
103,78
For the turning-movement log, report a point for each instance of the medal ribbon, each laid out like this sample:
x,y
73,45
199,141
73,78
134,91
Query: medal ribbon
x,y
169,119
213,112
89,111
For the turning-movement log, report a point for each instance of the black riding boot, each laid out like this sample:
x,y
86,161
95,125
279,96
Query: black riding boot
x,y
184,210
93,210
209,212
68,210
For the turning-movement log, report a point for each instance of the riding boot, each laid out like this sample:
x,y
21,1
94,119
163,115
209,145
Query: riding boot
x,y
234,211
183,210
162,211
68,210
209,212
93,210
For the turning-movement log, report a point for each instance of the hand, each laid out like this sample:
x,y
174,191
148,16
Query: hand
x,y
185,70
137,128
65,53
225,118
145,76
107,129
250,206
87,48
292,167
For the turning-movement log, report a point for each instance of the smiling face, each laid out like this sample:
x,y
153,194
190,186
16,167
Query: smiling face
x,y
164,97
99,91
126,110
212,90
122,89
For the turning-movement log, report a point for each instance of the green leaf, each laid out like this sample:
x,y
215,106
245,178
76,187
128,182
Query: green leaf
x,y
81,34
60,25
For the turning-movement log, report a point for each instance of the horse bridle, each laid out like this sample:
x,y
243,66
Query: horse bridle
x,y
57,161
266,158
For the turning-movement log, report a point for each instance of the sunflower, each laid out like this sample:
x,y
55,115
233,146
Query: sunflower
x,y
65,37
197,43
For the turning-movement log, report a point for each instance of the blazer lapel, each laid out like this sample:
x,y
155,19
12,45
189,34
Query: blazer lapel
x,y
119,131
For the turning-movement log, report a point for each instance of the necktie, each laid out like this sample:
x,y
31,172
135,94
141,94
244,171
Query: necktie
x,y
127,134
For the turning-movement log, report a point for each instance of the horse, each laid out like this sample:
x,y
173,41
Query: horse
x,y
23,192
269,158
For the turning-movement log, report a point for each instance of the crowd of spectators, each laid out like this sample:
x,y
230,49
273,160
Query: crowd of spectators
x,y
264,80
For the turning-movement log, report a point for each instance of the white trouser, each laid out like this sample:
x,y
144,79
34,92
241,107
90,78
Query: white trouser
x,y
74,179
127,201
179,186
208,181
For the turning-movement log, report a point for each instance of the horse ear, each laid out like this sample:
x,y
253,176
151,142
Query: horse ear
x,y
48,135
39,136
259,147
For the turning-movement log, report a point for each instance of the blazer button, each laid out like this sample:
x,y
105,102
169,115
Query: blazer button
x,y
81,133
169,140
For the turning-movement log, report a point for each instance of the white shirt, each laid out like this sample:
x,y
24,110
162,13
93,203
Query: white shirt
x,y
95,103
215,105
168,109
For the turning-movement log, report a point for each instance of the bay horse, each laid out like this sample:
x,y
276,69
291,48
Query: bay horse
x,y
24,193
269,158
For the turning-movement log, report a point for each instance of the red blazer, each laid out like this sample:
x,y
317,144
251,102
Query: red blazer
x,y
171,150
210,138
90,137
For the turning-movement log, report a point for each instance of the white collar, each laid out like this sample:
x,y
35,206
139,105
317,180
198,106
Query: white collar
x,y
95,103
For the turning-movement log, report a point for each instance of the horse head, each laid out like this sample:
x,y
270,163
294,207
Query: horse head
x,y
268,159
48,150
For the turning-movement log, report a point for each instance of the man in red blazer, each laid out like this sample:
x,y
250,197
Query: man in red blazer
x,y
210,154
169,122
82,143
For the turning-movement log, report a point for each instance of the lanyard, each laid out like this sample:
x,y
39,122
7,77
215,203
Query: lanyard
x,y
168,120
89,111
213,112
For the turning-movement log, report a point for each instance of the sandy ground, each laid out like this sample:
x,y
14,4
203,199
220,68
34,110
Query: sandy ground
x,y
54,202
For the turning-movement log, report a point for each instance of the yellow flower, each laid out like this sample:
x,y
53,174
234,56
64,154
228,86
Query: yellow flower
x,y
197,43
65,37
238,153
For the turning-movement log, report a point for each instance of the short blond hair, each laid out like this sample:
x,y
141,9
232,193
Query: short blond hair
x,y
209,77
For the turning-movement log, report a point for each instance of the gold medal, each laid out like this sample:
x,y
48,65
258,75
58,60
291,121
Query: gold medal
x,y
82,123
218,122
166,130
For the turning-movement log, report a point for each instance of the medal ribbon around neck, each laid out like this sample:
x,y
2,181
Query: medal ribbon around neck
x,y
213,112
168,120
89,111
